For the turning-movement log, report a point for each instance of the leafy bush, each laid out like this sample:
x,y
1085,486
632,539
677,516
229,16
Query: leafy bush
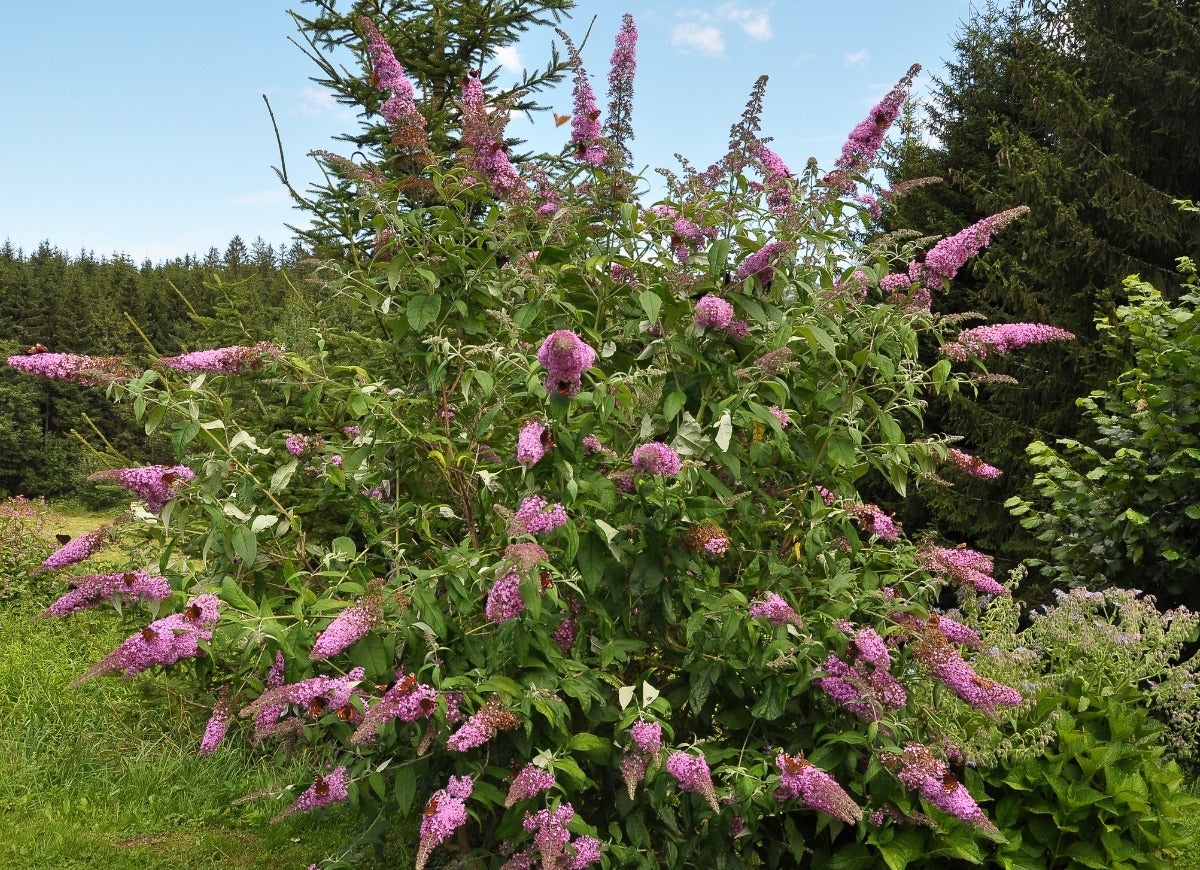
x,y
562,543
25,541
1086,771
1128,510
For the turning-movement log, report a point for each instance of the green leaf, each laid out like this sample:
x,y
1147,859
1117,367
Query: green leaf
x,y
245,545
672,404
587,742
423,310
406,786
651,304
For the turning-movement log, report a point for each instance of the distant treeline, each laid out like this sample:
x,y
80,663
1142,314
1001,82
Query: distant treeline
x,y
108,306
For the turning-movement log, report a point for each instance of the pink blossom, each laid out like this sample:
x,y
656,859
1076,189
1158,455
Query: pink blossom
x,y
963,567
218,725
481,727
530,781
400,109
647,736
223,360
531,443
88,590
154,483
504,600
565,357
943,260
444,814
875,522
406,700
691,772
866,138
163,642
91,371
316,694
324,791
1002,339
347,627
713,312
585,118
776,611
972,465
781,415
483,142
800,779
536,516
930,776
761,264
564,636
657,458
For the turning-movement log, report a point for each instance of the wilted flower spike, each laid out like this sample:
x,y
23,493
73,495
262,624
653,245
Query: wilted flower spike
x,y
223,360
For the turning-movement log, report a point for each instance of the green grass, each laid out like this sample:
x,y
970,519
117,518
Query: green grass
x,y
107,774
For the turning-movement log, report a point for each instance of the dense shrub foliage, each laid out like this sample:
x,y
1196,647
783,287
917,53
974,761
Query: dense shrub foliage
x,y
1128,509
559,550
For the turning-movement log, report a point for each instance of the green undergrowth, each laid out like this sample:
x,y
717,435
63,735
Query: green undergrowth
x,y
107,774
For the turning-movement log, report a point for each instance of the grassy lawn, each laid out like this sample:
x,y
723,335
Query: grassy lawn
x,y
107,774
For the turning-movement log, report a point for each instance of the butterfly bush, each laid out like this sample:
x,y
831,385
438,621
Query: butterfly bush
x,y
702,610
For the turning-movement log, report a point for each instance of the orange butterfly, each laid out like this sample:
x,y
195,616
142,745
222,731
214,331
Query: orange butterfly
x,y
559,120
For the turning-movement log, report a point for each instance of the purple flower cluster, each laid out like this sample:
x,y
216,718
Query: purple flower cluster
x,y
777,178
154,483
781,415
491,718
919,770
565,357
218,725
692,774
776,611
955,631
530,781
504,599
875,522
761,264
445,813
407,700
862,682
324,791
641,753
348,626
536,516
948,667
1002,339
713,312
270,714
531,443
963,567
943,260
483,139
316,694
552,844
88,590
400,109
817,789
591,444
657,458
866,138
223,360
564,636
163,642
972,465
585,117
90,371
707,538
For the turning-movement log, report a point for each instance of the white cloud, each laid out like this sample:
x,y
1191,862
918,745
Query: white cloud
x,y
509,58
856,58
755,22
320,103
704,38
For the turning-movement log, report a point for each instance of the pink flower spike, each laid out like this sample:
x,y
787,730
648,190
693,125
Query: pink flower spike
x,y
91,371
692,774
157,484
531,780
1001,339
532,442
351,624
713,312
223,360
400,109
218,725
800,779
324,791
972,465
920,771
657,458
89,590
536,516
776,611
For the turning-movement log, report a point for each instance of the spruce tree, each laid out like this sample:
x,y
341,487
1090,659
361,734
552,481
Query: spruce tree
x,y
1086,111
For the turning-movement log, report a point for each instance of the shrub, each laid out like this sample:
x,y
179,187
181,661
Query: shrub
x,y
563,544
25,541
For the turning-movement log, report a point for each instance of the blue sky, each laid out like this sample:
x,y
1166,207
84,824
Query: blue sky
x,y
138,126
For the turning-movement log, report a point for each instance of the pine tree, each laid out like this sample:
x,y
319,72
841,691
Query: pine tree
x,y
1086,111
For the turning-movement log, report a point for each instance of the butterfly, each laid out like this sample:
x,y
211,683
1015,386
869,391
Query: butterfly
x,y
192,612
317,705
794,763
37,348
408,683
347,713
547,438
63,539
546,580
431,807
559,120
169,478
321,786
149,635
949,783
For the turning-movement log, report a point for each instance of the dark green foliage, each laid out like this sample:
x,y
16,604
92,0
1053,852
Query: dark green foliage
x,y
1085,111
1127,511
